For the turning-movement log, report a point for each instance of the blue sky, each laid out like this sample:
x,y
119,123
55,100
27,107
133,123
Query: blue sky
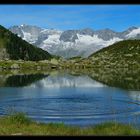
x,y
116,17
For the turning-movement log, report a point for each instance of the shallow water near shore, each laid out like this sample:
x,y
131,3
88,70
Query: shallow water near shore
x,y
71,99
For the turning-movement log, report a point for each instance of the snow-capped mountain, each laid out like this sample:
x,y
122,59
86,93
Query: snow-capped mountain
x,y
72,43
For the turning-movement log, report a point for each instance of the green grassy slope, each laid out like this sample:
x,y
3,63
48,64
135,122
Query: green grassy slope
x,y
121,54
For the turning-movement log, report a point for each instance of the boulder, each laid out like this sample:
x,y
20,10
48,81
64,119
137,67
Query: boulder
x,y
15,66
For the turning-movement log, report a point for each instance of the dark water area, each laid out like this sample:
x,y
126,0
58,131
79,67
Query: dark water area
x,y
74,99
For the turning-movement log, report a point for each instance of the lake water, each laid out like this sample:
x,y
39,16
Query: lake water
x,y
72,99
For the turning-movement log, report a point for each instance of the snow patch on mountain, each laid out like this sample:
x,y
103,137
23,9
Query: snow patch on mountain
x,y
52,39
133,33
50,31
28,37
112,41
87,39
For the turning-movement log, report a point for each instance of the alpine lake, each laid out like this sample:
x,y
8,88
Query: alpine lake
x,y
79,97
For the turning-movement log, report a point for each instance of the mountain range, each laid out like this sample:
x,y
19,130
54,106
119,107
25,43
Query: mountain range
x,y
72,43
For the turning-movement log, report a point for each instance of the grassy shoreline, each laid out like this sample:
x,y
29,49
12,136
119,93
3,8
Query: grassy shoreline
x,y
20,124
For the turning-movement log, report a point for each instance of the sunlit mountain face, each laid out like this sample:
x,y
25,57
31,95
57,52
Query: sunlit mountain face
x,y
70,43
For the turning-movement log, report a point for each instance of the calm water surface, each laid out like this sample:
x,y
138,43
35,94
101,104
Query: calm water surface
x,y
75,100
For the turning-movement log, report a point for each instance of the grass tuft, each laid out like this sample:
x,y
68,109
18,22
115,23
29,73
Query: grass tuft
x,y
19,118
